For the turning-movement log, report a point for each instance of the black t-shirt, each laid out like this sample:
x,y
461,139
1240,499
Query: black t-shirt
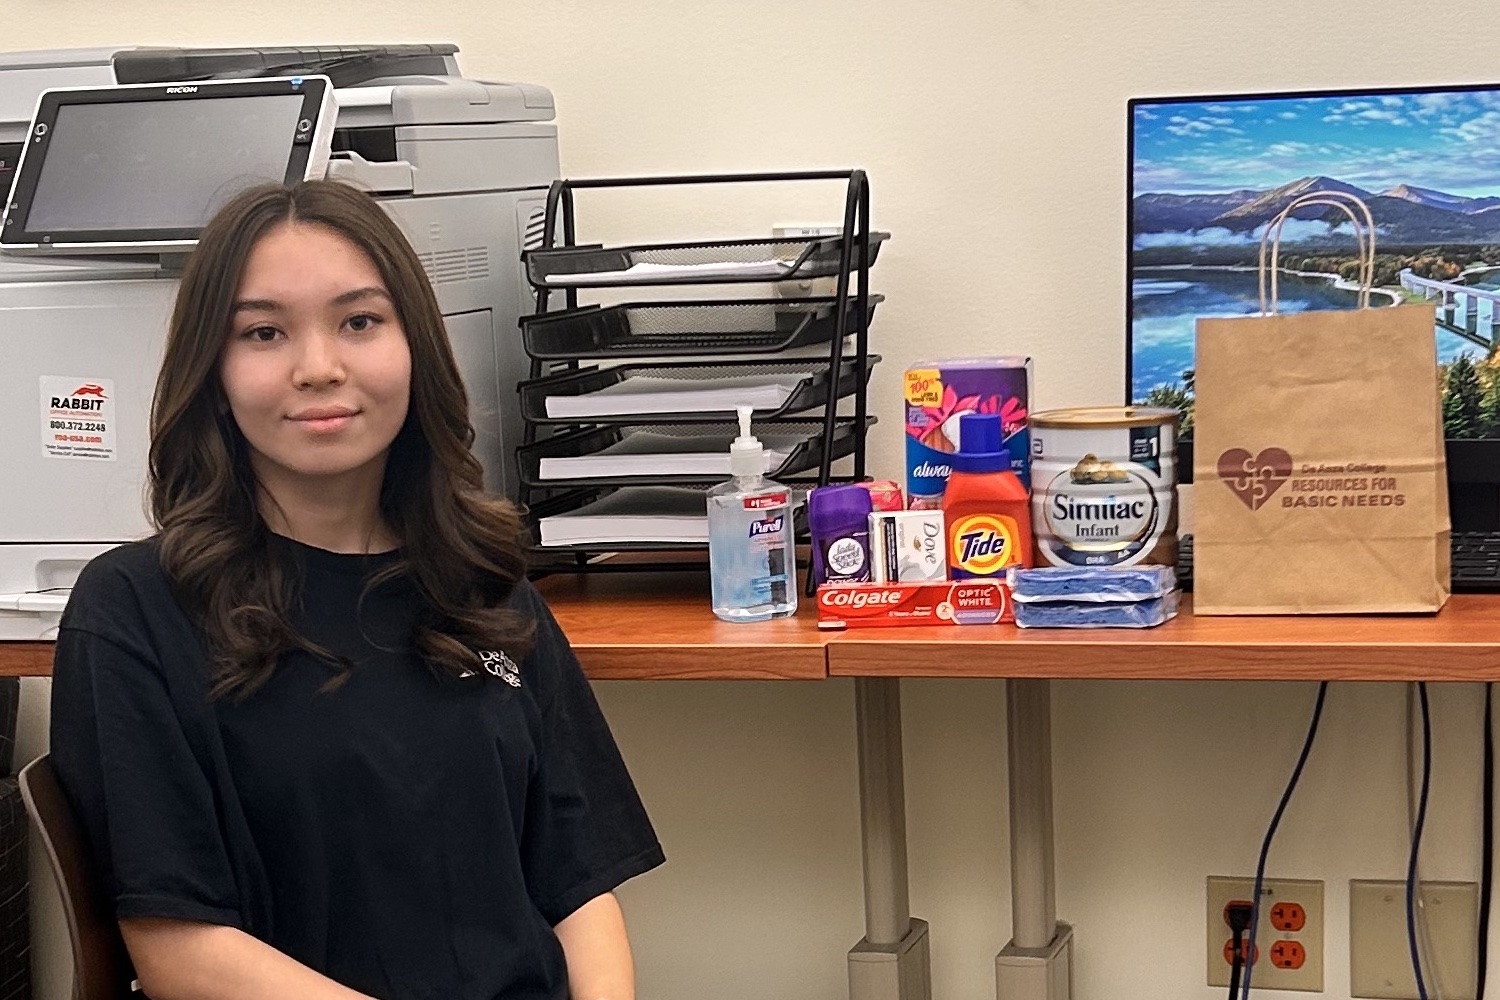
x,y
411,834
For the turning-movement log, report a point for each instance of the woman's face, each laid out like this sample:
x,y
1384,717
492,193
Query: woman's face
x,y
316,367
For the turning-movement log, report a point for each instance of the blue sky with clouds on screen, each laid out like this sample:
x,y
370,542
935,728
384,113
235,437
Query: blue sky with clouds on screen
x,y
1448,141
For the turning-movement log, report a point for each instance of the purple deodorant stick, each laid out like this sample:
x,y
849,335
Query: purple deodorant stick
x,y
839,517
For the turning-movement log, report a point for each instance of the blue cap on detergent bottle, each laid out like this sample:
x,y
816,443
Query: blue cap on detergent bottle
x,y
979,447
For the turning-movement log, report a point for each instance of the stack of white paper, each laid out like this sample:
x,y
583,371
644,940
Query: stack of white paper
x,y
651,453
638,394
664,272
637,514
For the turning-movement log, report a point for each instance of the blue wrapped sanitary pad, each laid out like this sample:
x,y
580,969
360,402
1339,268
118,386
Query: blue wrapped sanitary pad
x,y
1099,584
1096,614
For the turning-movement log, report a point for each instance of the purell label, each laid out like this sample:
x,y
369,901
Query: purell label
x,y
766,526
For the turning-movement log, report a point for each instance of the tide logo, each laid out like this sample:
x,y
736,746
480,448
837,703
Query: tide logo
x,y
981,544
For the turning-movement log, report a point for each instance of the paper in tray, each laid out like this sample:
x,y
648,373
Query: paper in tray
x,y
673,452
635,514
690,327
810,381
711,262
642,394
652,453
644,272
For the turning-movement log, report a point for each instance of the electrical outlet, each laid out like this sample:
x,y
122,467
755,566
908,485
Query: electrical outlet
x,y
1380,952
1289,945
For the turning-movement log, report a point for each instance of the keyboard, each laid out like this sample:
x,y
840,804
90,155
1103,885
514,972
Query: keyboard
x,y
1476,561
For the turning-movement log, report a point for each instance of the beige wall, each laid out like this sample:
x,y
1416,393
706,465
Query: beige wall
x,y
994,134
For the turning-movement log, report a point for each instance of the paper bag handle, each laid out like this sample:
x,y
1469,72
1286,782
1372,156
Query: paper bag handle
x,y
1364,236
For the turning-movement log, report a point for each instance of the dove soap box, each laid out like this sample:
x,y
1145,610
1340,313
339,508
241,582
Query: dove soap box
x,y
1104,486
908,546
937,394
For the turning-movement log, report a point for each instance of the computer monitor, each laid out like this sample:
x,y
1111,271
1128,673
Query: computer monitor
x,y
141,168
1207,173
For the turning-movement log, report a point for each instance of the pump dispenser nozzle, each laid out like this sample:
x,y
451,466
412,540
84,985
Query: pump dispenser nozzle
x,y
747,457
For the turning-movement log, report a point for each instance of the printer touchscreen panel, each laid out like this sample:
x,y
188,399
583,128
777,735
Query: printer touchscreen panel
x,y
143,168
159,165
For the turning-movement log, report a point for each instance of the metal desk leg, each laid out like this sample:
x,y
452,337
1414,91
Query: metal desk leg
x,y
892,961
1037,963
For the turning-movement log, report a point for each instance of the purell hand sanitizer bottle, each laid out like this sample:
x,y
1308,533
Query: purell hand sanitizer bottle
x,y
751,554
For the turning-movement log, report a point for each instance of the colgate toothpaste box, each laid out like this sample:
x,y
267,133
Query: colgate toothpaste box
x,y
872,605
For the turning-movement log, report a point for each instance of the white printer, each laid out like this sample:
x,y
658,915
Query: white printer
x,y
462,165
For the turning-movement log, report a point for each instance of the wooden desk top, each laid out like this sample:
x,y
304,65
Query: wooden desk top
x,y
1460,644
25,659
641,626
638,626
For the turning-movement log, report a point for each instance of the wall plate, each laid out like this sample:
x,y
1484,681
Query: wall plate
x,y
1380,952
1302,897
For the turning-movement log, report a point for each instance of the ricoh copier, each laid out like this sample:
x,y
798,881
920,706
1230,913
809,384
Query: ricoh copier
x,y
462,165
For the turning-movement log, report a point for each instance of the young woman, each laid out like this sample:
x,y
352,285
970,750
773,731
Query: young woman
x,y
323,737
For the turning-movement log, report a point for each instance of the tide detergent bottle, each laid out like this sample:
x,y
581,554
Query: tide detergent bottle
x,y
986,510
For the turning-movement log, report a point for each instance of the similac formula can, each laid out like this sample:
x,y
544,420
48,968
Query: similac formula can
x,y
1104,486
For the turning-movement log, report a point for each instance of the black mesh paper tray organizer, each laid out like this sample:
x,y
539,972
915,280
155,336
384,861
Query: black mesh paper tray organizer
x,y
709,335
599,267
804,457
812,390
699,328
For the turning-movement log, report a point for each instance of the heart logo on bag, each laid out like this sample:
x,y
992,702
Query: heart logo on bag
x,y
1255,478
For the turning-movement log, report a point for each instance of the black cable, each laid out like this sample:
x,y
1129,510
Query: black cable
x,y
1265,846
1242,953
1236,965
1416,843
1487,842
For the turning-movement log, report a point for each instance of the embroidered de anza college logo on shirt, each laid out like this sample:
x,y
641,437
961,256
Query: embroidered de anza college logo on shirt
x,y
500,665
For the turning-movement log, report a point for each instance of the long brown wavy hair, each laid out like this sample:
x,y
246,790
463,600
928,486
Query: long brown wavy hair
x,y
460,548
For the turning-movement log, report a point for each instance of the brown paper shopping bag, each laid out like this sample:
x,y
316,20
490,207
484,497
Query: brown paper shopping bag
x,y
1319,478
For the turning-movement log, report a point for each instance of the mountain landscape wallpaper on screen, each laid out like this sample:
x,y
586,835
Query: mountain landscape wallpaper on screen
x,y
1207,176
